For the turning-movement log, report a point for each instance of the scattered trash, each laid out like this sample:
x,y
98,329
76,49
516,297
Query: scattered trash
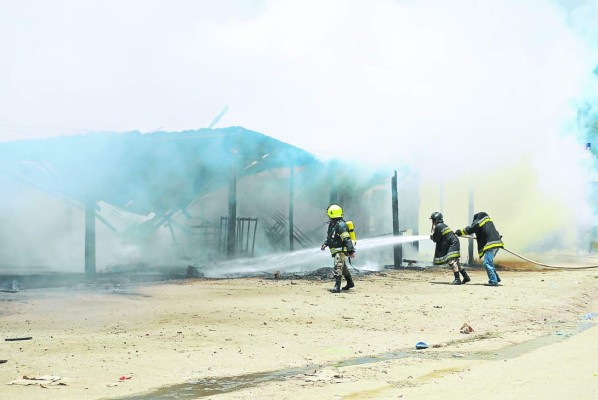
x,y
324,376
3,361
465,328
588,316
18,338
421,345
122,378
44,380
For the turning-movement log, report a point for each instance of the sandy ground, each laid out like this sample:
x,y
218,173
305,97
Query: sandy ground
x,y
533,337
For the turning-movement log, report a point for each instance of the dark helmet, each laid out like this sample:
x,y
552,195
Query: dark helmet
x,y
436,217
479,216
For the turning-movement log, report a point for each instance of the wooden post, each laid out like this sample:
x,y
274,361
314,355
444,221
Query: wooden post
x,y
231,232
395,221
90,238
291,206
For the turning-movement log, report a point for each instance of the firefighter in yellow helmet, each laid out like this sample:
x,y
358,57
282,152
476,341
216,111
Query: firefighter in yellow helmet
x,y
338,240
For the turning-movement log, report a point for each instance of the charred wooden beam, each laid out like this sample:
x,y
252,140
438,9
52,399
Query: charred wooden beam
x,y
398,249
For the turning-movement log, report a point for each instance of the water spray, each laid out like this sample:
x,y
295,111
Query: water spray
x,y
283,261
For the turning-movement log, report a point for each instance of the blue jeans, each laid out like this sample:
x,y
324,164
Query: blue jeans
x,y
489,264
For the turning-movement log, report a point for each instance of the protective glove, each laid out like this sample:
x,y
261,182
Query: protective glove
x,y
323,247
351,254
458,232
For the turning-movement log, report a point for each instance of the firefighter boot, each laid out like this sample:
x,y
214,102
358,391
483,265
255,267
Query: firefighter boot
x,y
466,277
457,281
337,285
349,280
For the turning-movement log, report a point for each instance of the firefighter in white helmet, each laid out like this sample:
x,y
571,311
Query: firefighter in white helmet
x,y
338,240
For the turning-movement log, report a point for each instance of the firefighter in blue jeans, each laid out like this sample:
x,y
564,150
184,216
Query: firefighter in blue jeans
x,y
488,240
338,240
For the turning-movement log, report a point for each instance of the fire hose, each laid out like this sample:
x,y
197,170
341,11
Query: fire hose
x,y
536,262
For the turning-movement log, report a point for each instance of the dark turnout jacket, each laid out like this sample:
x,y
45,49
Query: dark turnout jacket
x,y
485,232
447,244
338,237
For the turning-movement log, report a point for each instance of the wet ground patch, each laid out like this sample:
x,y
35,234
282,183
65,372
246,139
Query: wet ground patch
x,y
199,388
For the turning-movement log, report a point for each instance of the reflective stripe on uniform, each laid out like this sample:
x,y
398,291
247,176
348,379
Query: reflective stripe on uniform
x,y
484,220
439,260
334,250
491,245
453,254
444,259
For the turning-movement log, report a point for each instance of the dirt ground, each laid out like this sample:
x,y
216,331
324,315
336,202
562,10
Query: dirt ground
x,y
535,336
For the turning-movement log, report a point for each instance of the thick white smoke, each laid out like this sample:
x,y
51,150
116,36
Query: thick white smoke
x,y
481,95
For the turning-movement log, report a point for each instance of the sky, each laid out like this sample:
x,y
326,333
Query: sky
x,y
368,80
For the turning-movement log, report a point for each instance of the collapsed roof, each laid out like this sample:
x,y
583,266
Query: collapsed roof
x,y
143,173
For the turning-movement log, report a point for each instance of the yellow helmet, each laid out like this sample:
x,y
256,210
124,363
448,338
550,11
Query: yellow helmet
x,y
334,211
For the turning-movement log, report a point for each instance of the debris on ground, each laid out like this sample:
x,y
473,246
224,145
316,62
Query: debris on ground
x,y
421,345
318,274
18,338
465,328
43,381
324,376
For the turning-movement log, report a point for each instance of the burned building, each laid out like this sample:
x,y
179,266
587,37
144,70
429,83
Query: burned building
x,y
110,201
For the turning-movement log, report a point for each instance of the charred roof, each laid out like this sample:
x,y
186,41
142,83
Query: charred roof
x,y
146,172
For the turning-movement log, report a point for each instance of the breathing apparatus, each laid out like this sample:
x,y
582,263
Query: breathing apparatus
x,y
352,232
